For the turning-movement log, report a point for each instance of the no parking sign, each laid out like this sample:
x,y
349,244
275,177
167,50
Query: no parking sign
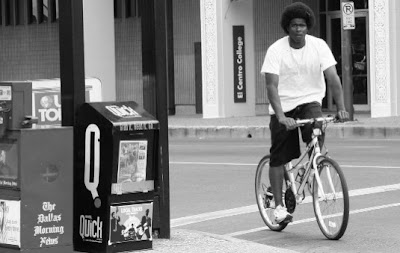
x,y
348,15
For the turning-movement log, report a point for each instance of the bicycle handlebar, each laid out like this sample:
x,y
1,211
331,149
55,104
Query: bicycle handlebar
x,y
319,119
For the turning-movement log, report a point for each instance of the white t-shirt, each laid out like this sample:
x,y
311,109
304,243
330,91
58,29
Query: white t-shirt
x,y
301,77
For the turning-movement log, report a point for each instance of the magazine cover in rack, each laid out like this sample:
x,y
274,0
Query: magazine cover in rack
x,y
131,222
10,222
9,166
132,161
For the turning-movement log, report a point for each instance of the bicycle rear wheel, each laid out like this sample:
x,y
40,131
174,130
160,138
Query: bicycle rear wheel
x,y
332,209
264,199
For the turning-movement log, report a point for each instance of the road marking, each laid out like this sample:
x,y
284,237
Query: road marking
x,y
183,221
370,166
369,209
368,139
207,163
362,147
254,164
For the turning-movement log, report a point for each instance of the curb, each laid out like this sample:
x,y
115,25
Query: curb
x,y
218,132
263,132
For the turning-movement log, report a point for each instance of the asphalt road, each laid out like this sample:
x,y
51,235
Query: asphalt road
x,y
212,190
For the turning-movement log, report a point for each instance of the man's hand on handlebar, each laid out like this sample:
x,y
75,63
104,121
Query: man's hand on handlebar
x,y
289,123
343,116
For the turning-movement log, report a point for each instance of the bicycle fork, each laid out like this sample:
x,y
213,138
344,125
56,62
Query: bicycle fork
x,y
290,177
311,172
321,193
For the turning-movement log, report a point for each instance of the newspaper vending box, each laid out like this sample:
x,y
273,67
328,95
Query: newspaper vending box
x,y
35,177
115,160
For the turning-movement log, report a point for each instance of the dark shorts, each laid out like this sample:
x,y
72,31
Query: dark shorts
x,y
285,145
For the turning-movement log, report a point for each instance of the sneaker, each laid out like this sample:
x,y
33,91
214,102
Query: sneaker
x,y
282,215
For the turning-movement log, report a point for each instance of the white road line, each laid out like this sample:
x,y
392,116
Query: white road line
x,y
369,209
254,164
362,147
370,166
207,163
183,221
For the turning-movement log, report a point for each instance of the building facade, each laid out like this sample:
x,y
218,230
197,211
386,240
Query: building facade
x,y
218,49
374,51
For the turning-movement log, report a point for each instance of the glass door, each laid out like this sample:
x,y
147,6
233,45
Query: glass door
x,y
360,73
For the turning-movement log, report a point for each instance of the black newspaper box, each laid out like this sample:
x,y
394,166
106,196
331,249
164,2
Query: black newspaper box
x,y
114,171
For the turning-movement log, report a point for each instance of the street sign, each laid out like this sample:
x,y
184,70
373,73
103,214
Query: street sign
x,y
239,64
348,16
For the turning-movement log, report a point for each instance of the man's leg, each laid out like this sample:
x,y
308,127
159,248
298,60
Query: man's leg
x,y
276,175
284,147
311,110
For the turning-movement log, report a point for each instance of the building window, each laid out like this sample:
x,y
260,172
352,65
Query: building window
x,y
24,12
45,11
5,12
360,4
126,9
334,5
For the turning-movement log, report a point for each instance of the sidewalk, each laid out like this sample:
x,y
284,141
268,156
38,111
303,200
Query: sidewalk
x,y
194,126
187,241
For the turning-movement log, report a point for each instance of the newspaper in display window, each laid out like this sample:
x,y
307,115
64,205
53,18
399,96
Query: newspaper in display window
x,y
132,161
9,166
131,223
10,222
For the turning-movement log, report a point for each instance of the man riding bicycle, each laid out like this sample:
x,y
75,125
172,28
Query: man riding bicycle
x,y
295,69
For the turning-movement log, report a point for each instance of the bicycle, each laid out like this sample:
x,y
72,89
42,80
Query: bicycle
x,y
328,187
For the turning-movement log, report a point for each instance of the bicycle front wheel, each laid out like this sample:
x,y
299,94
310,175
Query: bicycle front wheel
x,y
264,199
331,199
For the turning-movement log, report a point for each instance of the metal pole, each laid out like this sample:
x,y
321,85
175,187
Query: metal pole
x,y
72,66
162,14
347,69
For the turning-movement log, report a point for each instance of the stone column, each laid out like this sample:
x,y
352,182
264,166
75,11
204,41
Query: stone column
x,y
217,20
380,36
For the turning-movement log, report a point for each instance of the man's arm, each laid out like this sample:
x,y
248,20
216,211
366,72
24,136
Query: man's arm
x,y
272,81
333,82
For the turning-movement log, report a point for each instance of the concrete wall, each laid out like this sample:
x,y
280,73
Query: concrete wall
x,y
237,13
217,20
99,39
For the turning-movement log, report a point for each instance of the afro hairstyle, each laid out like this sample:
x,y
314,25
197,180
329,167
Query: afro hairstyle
x,y
297,10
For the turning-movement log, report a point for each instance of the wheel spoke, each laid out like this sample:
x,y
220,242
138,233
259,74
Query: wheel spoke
x,y
330,199
265,202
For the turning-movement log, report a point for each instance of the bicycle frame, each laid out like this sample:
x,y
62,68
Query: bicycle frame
x,y
317,172
310,169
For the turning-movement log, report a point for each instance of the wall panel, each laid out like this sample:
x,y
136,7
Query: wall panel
x,y
128,60
29,52
186,22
